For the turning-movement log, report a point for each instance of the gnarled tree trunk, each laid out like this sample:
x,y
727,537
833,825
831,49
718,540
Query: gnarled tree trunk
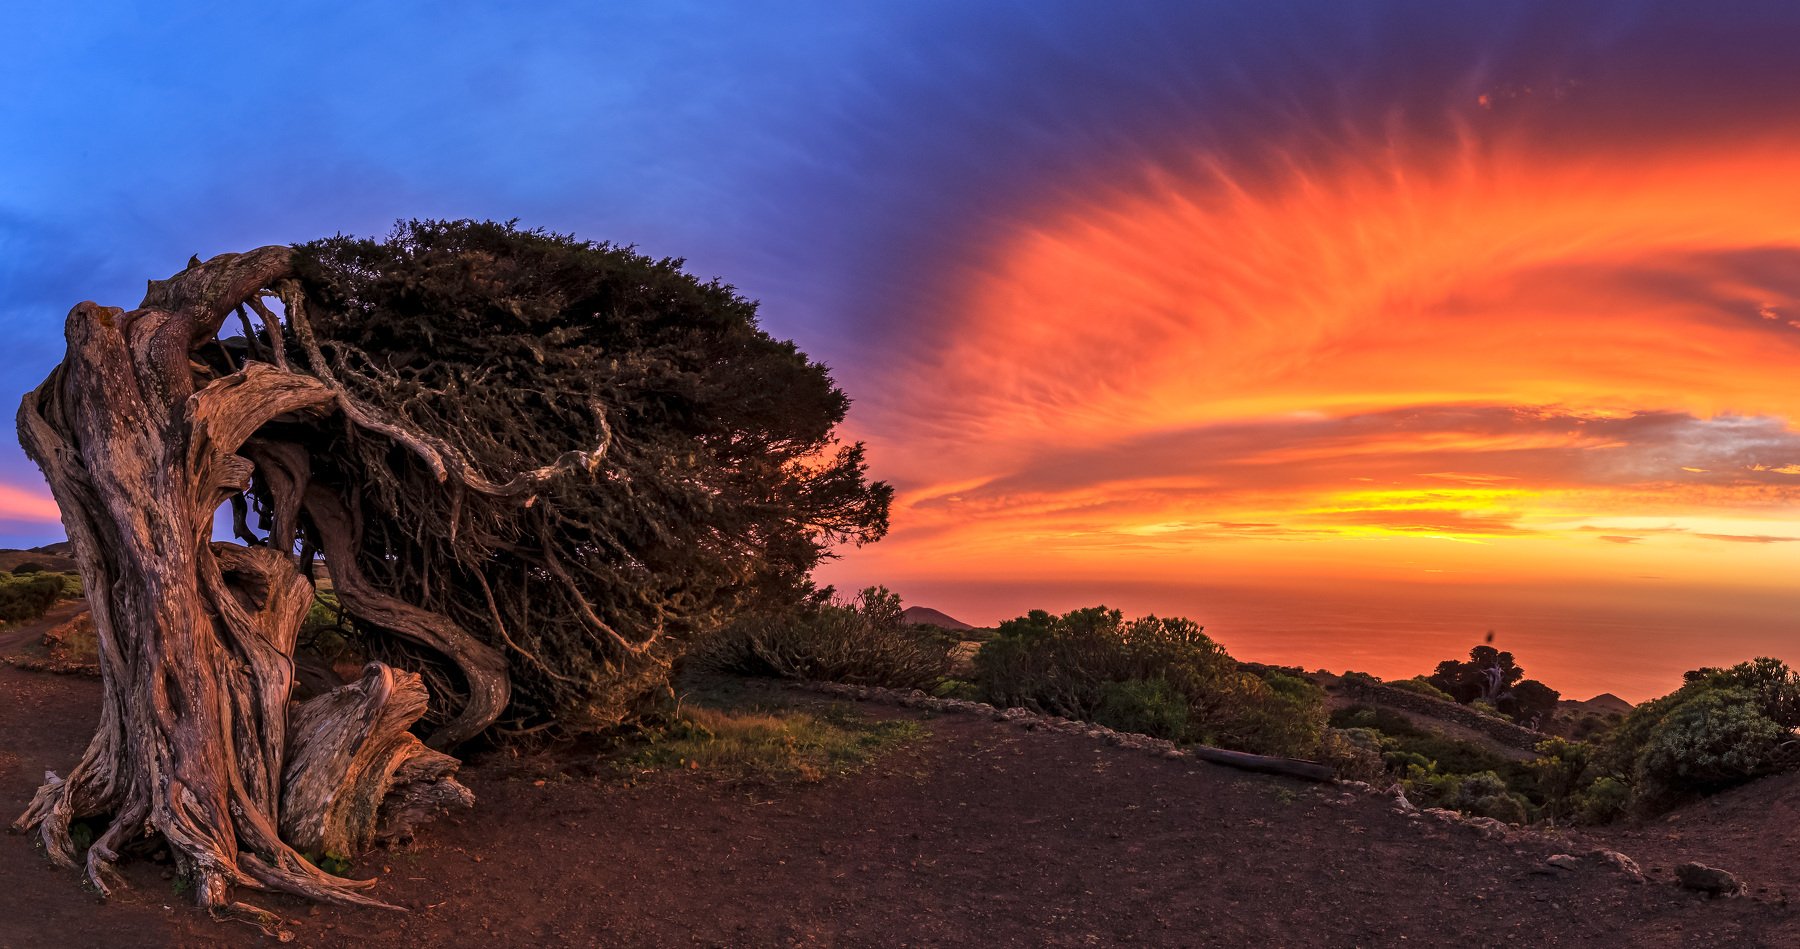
x,y
143,431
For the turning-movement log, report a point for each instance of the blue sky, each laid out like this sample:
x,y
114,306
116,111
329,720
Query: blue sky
x,y
1032,238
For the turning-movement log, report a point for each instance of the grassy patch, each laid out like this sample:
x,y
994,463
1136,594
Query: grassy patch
x,y
744,741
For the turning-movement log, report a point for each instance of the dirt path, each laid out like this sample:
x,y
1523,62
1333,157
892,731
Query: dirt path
x,y
980,835
23,637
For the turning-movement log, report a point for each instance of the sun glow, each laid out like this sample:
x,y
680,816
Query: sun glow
x,y
1526,350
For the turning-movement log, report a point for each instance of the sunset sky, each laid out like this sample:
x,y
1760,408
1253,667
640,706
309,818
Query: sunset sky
x,y
1351,330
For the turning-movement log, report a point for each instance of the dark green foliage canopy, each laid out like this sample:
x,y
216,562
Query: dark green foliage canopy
x,y
1722,727
711,477
28,596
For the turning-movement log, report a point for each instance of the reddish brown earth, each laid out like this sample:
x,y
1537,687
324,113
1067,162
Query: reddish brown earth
x,y
1750,831
26,638
981,834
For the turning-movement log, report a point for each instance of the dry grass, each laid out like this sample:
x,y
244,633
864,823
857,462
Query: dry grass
x,y
770,743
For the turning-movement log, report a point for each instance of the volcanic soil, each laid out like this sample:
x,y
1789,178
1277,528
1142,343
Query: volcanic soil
x,y
980,834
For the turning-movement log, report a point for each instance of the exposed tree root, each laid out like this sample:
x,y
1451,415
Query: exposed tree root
x,y
199,742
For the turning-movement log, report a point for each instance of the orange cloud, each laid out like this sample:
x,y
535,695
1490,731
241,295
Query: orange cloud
x,y
1316,368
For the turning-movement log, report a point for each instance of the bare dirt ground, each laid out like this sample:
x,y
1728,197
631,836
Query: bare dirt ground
x,y
979,835
1751,830
26,638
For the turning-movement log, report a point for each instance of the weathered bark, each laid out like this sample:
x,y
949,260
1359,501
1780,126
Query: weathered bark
x,y
355,775
1286,767
199,742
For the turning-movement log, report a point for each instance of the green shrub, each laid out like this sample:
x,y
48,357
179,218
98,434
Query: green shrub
x,y
1489,709
29,596
1596,727
1563,771
1707,742
1423,686
1064,665
863,642
29,566
1719,729
1374,718
1772,685
957,689
1402,762
1149,707
1354,753
1604,801
1428,787
1286,716
1486,794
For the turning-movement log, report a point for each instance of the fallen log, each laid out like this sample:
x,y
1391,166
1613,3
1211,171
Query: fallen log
x,y
1264,764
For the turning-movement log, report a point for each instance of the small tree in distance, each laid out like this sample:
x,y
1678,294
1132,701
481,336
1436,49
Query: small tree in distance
x,y
1493,676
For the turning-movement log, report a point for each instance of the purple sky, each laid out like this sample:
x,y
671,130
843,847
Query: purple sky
x,y
1055,250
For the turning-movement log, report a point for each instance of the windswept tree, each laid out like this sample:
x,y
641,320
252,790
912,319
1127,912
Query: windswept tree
x,y
534,468
1493,676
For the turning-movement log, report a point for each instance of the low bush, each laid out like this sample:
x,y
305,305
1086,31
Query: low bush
x,y
1144,706
1563,771
1402,741
864,642
1604,801
1441,772
1486,794
1593,726
1092,662
1706,742
1354,753
29,596
1423,686
1721,728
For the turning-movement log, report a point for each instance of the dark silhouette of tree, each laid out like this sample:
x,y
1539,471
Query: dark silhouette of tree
x,y
1494,676
1531,703
1487,673
534,468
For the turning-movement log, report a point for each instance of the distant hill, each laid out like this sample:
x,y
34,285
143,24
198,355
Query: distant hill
x,y
58,557
1608,702
926,616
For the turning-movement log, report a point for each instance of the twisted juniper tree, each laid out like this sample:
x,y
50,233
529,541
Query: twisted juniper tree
x,y
533,469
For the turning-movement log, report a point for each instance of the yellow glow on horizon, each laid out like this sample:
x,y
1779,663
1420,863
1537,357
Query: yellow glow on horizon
x,y
1334,368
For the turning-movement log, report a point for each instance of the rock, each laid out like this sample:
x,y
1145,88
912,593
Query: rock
x,y
1614,860
1709,880
1401,804
1489,827
1442,814
1564,861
